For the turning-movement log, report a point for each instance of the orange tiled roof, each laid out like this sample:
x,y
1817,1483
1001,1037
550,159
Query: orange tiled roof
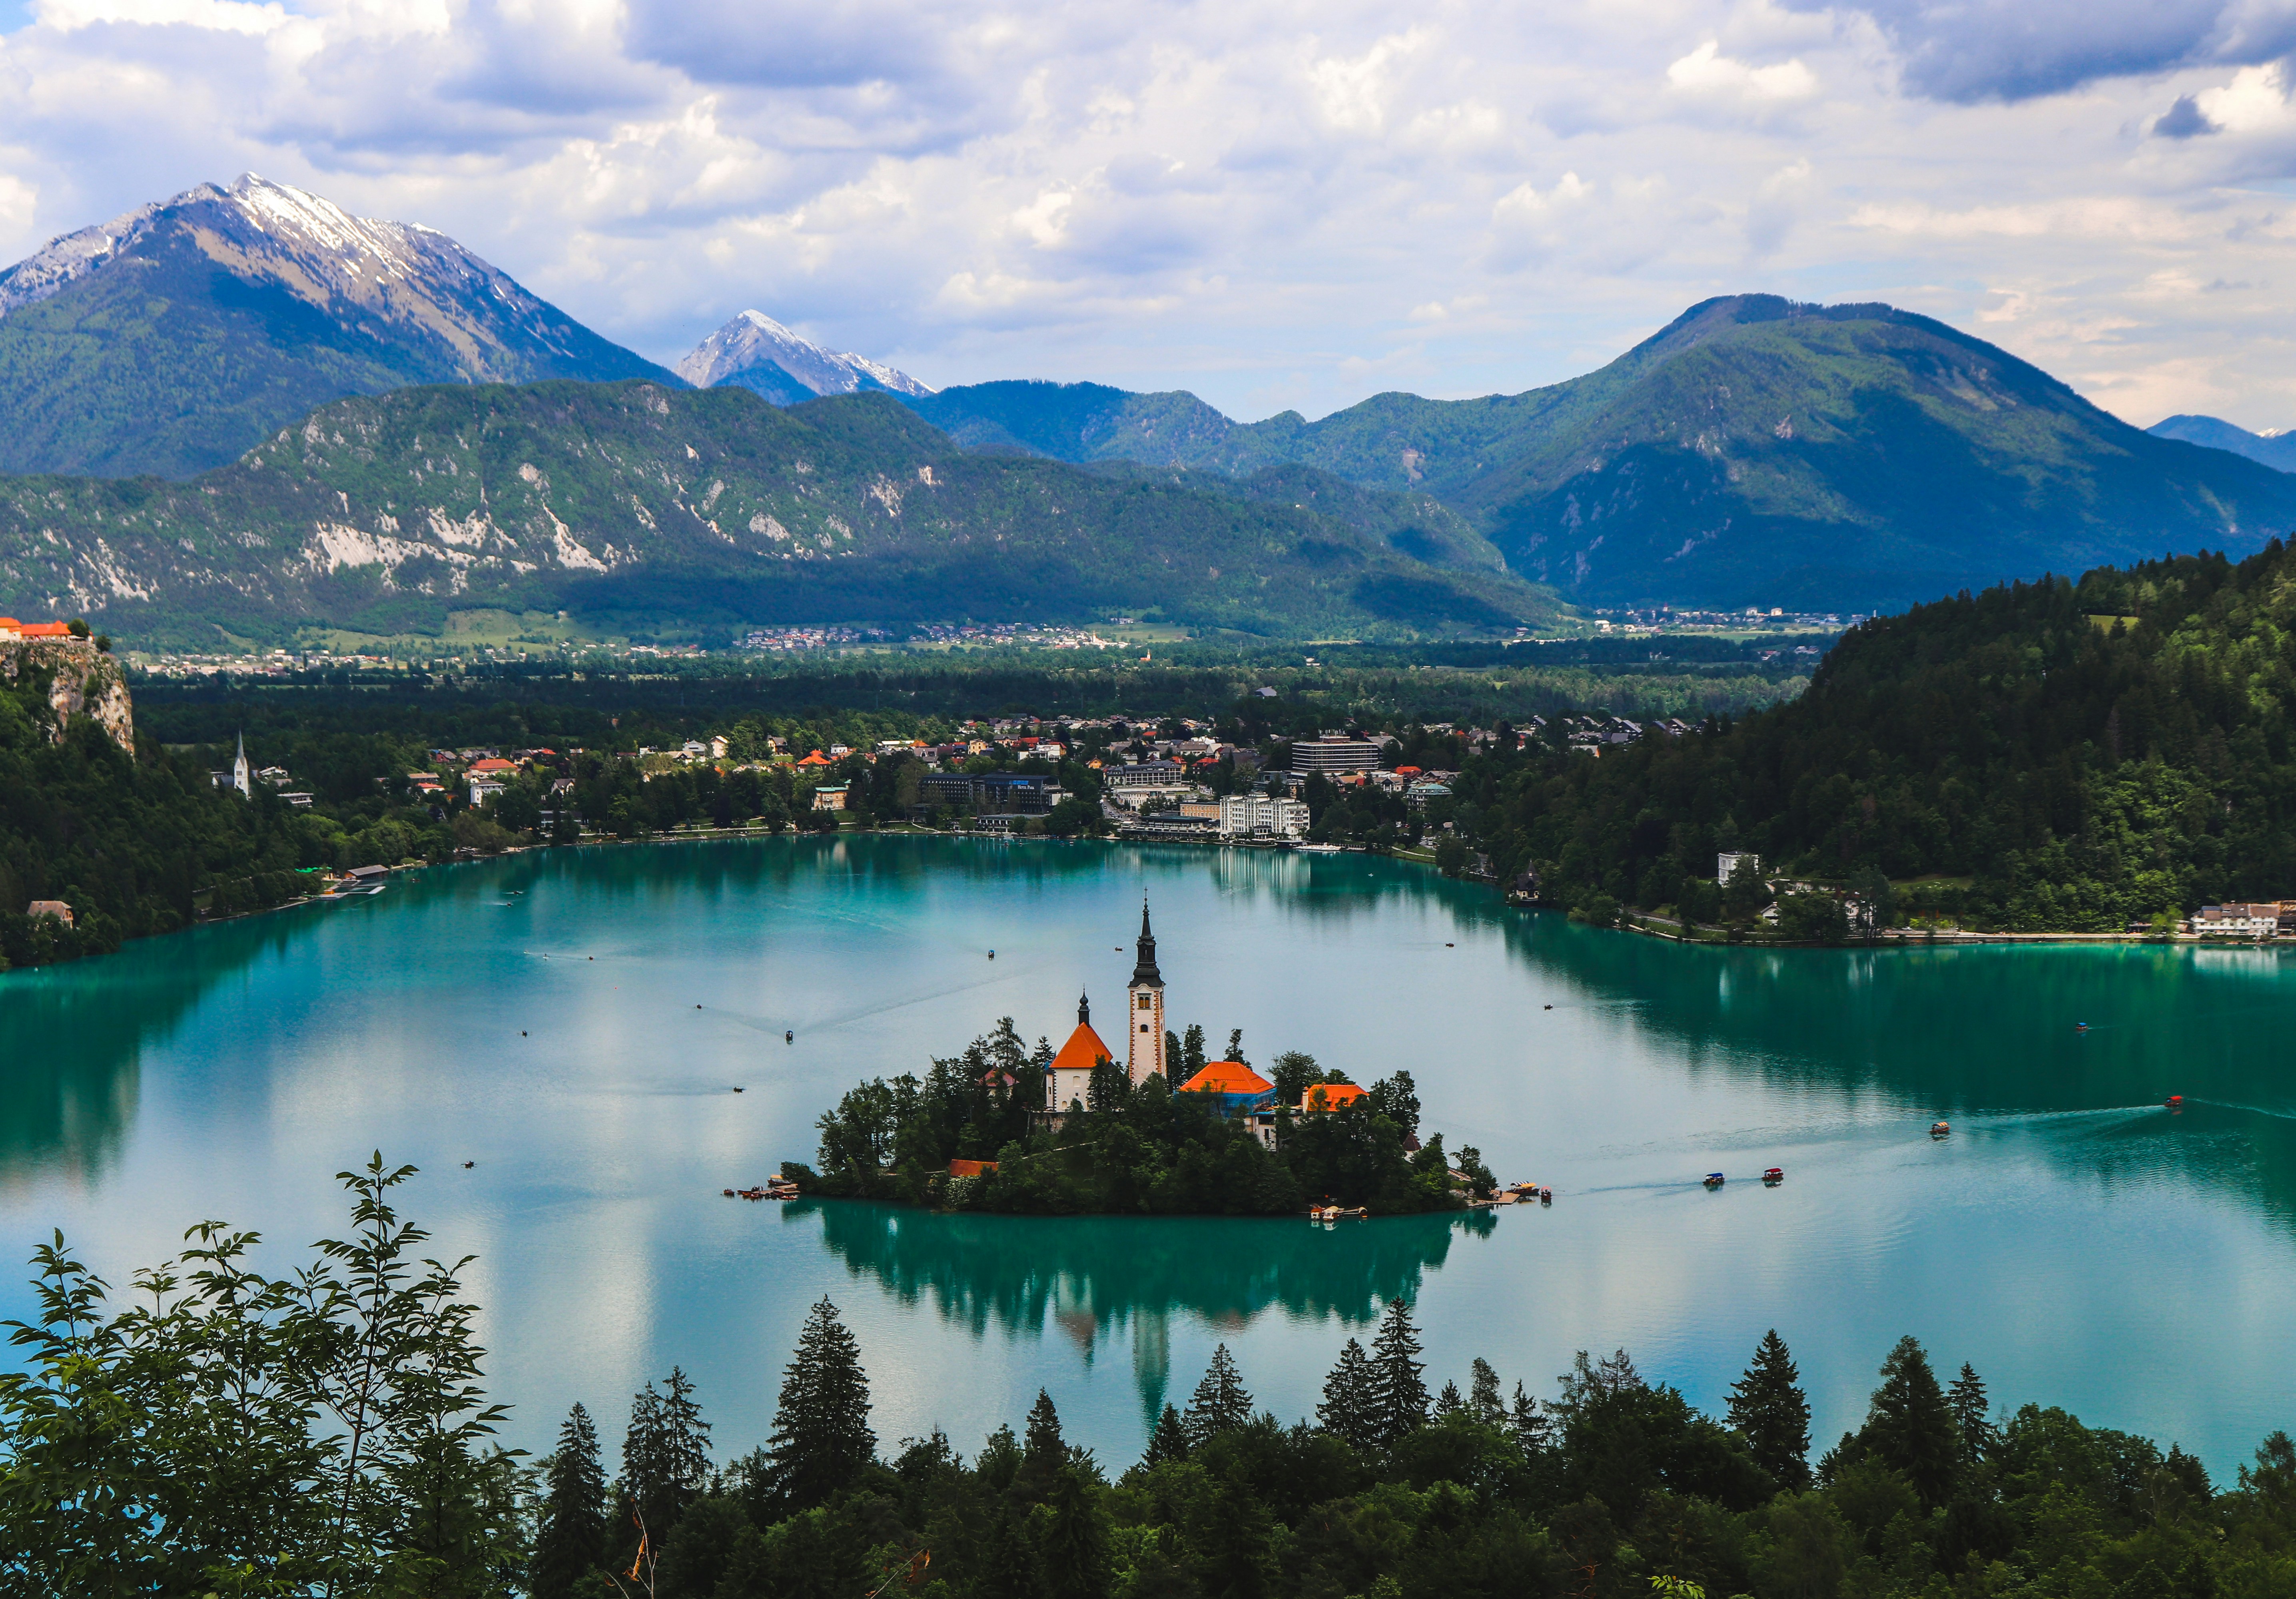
x,y
1329,1096
1228,1077
970,1168
493,765
815,759
46,630
1083,1048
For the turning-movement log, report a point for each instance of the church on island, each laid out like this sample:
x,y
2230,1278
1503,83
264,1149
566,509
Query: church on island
x,y
1068,1082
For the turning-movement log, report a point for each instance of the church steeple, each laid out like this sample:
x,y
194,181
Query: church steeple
x,y
1144,1025
1145,974
1084,1011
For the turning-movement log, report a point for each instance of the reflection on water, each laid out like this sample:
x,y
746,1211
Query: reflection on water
x,y
574,1023
72,1039
1097,1277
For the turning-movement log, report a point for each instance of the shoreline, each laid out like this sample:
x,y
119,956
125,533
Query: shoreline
x,y
1894,938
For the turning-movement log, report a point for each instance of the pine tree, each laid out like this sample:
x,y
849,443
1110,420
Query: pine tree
x,y
1042,1440
1449,1403
821,1439
570,1532
1220,1402
1967,1399
1191,1051
1076,1542
1533,1428
665,1455
1236,1047
1007,1566
1348,1399
1770,1410
1399,1395
1168,1441
1909,1428
1483,1394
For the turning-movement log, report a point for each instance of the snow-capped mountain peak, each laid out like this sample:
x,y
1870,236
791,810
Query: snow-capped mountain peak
x,y
756,352
246,306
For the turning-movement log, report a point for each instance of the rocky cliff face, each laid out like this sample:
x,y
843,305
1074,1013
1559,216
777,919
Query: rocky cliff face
x,y
82,682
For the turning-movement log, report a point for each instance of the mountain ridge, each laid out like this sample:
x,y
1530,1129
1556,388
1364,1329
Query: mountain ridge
x,y
1753,450
690,512
2276,449
175,337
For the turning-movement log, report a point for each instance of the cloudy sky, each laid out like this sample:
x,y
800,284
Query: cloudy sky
x,y
1273,203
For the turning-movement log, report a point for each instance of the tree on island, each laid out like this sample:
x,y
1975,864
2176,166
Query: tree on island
x,y
571,1533
1292,1074
1397,1098
821,1440
1771,1413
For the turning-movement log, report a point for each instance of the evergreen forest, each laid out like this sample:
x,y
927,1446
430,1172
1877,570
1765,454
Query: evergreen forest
x,y
2081,755
213,1430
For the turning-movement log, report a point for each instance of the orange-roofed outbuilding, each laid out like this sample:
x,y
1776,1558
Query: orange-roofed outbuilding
x,y
1329,1096
1228,1077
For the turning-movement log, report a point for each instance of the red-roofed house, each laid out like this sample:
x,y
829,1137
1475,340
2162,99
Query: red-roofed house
x,y
1241,1092
815,759
1070,1081
1230,1079
1329,1096
492,767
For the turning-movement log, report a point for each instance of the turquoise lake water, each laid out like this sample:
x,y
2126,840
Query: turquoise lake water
x,y
2076,1242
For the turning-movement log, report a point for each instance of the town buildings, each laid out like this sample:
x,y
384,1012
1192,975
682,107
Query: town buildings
x,y
1262,815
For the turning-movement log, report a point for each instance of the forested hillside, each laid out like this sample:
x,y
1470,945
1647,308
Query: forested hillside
x,y
1753,451
2056,755
690,513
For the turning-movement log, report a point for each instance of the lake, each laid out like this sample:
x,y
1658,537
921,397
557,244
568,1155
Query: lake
x,y
574,1024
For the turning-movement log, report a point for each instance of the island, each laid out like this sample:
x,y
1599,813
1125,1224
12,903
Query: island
x,y
1071,1131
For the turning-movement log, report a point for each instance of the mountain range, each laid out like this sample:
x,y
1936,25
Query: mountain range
x,y
1753,452
173,338
686,514
2275,449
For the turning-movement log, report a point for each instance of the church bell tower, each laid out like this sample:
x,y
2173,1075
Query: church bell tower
x,y
1146,1015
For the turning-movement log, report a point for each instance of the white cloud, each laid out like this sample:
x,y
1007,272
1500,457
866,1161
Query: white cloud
x,y
1706,70
222,16
1353,93
1264,204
